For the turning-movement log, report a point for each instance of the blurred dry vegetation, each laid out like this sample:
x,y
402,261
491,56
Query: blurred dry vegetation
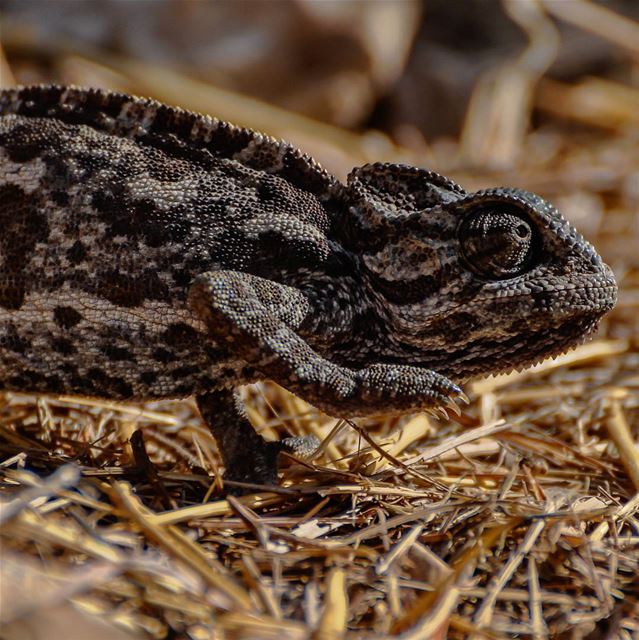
x,y
518,518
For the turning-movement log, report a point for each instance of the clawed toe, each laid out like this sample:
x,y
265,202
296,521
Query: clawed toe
x,y
300,446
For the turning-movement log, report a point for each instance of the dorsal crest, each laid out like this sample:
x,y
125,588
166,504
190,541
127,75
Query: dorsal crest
x,y
173,129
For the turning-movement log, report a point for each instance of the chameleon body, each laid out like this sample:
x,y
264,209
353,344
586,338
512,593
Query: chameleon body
x,y
151,252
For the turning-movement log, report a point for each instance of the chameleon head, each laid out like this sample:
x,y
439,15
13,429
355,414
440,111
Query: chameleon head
x,y
473,284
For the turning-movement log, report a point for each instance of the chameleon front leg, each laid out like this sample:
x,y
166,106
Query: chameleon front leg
x,y
258,318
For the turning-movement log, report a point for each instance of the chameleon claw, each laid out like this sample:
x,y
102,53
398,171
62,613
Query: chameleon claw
x,y
453,407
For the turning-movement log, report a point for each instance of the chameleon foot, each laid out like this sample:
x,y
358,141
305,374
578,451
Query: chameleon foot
x,y
300,446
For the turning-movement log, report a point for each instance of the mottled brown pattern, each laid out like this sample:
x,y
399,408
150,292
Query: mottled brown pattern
x,y
23,224
147,251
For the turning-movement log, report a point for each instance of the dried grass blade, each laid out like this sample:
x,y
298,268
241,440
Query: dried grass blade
x,y
175,543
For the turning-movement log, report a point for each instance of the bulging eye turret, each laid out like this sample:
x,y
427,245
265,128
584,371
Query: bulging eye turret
x,y
497,245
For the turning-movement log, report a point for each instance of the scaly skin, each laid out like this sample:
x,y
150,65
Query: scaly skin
x,y
150,252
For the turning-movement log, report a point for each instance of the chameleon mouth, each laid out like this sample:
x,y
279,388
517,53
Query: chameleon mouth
x,y
515,355
561,348
590,300
567,318
547,331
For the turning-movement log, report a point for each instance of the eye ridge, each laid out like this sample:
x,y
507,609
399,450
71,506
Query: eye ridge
x,y
496,245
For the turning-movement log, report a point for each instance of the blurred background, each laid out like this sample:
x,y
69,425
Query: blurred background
x,y
537,94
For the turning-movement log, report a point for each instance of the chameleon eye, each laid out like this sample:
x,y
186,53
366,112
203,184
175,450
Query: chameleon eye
x,y
496,245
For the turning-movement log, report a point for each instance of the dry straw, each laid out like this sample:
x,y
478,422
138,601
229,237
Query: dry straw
x,y
517,518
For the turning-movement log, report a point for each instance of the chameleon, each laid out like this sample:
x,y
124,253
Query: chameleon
x,y
150,252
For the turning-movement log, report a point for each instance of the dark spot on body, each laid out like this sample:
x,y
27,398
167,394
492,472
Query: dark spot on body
x,y
97,374
23,225
12,294
34,381
121,388
25,142
119,288
184,372
127,290
407,291
17,382
61,198
248,373
182,390
215,354
78,383
181,336
163,355
133,219
77,253
68,368
109,386
148,378
63,346
66,317
267,190
117,353
13,341
154,287
182,277
167,169
144,219
196,264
